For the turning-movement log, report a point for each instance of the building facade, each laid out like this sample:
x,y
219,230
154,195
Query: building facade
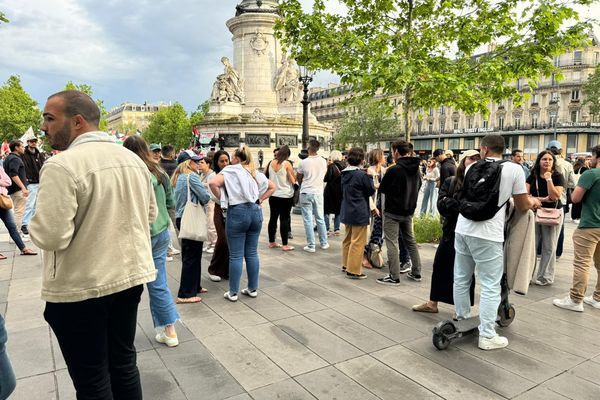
x,y
554,110
131,116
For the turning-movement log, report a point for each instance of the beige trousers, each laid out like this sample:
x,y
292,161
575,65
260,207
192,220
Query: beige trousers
x,y
19,203
586,246
353,248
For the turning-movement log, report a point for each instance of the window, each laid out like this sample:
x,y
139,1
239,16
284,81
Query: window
x,y
575,95
431,112
517,122
553,118
442,110
555,97
455,125
534,121
422,144
535,98
442,126
553,80
532,144
574,116
593,140
577,56
430,129
419,126
485,123
469,143
470,123
571,143
500,123
454,144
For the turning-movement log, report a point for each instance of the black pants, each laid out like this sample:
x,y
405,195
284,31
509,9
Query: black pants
x,y
191,267
96,339
219,264
281,208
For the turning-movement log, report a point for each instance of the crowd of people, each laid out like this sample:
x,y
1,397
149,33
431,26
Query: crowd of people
x,y
94,270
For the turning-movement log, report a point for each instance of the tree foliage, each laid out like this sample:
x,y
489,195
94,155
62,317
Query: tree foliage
x,y
87,89
592,93
369,120
170,125
427,50
3,18
18,111
197,116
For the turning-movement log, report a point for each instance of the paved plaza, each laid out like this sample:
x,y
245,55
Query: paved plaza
x,y
313,334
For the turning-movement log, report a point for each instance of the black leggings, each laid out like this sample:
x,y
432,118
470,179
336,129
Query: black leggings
x,y
280,208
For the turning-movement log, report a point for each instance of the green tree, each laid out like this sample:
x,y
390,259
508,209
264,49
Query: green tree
x,y
170,125
427,50
197,116
87,89
3,18
591,89
369,120
18,111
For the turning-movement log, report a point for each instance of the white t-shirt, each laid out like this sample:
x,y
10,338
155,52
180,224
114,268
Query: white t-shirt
x,y
512,182
313,169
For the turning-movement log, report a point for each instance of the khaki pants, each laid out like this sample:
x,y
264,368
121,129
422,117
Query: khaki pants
x,y
19,203
586,243
354,247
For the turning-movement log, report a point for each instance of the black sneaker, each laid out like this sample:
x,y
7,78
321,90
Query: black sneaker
x,y
416,278
343,268
25,230
388,280
405,267
350,275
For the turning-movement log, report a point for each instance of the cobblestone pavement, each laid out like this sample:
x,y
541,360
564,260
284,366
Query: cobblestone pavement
x,y
312,333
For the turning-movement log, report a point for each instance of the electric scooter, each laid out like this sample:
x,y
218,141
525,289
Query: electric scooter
x,y
449,330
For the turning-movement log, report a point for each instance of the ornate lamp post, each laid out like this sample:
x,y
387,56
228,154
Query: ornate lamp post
x,y
553,118
306,77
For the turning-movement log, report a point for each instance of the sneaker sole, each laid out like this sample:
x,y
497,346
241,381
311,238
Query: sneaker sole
x,y
568,308
589,303
388,283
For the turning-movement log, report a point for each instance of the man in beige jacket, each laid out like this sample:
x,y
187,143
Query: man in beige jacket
x,y
93,215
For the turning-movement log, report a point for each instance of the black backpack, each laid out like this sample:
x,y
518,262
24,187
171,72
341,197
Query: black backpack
x,y
479,194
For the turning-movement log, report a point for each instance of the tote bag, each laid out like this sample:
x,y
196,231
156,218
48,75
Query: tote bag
x,y
193,220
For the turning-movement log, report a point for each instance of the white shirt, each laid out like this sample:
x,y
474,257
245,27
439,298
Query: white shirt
x,y
313,169
241,187
512,182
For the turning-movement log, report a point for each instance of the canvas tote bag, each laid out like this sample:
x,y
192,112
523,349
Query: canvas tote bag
x,y
193,221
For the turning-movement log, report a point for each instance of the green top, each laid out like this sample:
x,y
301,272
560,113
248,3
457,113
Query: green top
x,y
164,201
590,213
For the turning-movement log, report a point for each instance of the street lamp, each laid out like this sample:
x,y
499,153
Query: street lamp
x,y
553,118
306,77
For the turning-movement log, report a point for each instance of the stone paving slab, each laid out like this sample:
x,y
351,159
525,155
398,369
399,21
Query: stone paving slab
x,y
313,334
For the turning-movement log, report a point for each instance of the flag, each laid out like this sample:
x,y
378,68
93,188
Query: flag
x,y
196,131
28,135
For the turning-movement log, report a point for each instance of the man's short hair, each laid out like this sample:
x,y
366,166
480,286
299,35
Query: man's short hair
x,y
515,151
493,142
79,103
356,155
596,151
14,144
438,153
314,145
402,147
167,150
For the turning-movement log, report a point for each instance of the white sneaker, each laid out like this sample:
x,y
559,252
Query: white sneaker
x,y
214,278
309,249
230,297
496,342
250,293
175,252
568,304
169,258
169,341
210,250
590,300
325,246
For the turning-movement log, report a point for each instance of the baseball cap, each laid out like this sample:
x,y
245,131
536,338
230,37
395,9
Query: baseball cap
x,y
468,153
155,147
449,153
556,144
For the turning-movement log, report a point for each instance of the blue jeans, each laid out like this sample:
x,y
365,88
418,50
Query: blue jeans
x,y
8,217
7,375
162,306
313,204
487,257
428,205
243,225
30,205
336,221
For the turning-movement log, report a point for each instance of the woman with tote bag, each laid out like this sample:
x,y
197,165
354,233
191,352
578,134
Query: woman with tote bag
x,y
190,191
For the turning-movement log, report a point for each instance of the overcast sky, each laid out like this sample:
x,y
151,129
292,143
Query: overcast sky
x,y
134,50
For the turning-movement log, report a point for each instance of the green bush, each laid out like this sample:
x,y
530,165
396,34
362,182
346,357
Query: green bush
x,y
428,229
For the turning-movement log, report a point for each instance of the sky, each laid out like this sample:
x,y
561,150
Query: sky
x,y
136,50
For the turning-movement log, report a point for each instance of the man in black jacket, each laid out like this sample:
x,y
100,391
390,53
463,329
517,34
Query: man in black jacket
x,y
33,160
167,159
14,167
446,164
400,186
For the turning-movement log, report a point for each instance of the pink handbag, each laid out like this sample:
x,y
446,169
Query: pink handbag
x,y
547,216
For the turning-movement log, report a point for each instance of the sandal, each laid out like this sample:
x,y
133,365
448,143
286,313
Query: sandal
x,y
274,245
188,300
425,307
28,252
287,248
202,290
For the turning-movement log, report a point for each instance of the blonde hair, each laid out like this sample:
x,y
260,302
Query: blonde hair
x,y
182,169
376,156
335,155
246,160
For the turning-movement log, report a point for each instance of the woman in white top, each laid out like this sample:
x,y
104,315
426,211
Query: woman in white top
x,y
432,176
242,190
281,173
206,174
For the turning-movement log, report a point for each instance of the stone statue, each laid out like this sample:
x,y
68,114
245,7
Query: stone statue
x,y
287,83
228,86
259,43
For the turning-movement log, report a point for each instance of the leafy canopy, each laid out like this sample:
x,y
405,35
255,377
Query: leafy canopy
x,y
427,50
592,93
18,111
369,120
3,18
87,89
172,125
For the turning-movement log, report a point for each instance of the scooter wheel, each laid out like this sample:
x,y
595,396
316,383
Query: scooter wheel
x,y
441,333
507,317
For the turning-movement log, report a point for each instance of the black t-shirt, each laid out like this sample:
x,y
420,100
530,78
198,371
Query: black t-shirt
x,y
13,165
557,180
